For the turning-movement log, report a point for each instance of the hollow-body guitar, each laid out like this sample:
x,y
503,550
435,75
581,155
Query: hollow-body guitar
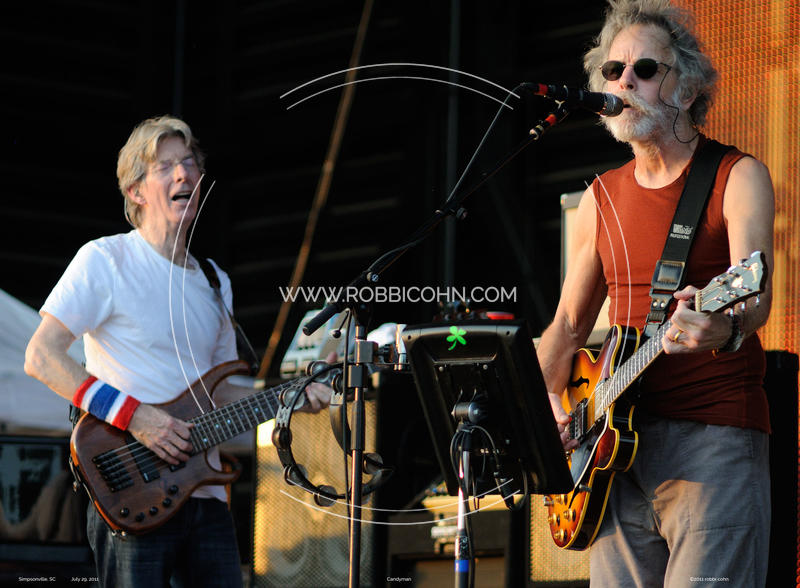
x,y
602,416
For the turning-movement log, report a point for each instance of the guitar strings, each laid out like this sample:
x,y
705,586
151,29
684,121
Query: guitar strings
x,y
138,452
137,449
653,346
627,261
610,242
169,298
145,457
203,420
601,386
183,297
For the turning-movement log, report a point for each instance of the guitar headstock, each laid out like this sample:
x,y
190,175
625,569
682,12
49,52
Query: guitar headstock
x,y
736,285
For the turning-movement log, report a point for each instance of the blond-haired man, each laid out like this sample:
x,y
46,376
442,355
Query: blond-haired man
x,y
148,315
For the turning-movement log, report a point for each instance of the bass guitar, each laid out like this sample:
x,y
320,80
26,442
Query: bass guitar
x,y
133,489
602,417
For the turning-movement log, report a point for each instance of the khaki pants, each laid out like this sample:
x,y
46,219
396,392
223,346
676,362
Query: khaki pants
x,y
693,510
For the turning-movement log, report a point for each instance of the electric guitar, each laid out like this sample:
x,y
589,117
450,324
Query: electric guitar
x,y
134,490
602,417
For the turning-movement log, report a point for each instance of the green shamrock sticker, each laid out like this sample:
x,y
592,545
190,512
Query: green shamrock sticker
x,y
456,337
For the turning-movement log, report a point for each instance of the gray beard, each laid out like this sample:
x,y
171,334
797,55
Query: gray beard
x,y
648,123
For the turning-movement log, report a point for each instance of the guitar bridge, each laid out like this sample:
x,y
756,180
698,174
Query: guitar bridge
x,y
577,423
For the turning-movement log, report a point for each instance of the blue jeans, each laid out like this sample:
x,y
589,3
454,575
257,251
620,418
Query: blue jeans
x,y
693,510
196,547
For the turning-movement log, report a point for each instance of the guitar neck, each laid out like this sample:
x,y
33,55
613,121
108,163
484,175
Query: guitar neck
x,y
226,422
610,390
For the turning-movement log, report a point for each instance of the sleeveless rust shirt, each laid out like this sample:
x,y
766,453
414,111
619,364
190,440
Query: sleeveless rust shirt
x,y
633,223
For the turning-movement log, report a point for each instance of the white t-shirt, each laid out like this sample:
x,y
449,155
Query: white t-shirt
x,y
117,293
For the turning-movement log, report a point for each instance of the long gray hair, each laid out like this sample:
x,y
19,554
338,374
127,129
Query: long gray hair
x,y
694,69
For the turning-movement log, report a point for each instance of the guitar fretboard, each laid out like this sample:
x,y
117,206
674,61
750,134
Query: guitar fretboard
x,y
607,392
226,422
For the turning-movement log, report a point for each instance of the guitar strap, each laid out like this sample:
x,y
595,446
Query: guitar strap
x,y
243,347
670,269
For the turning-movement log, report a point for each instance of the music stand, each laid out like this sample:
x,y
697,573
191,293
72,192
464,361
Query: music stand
x,y
485,375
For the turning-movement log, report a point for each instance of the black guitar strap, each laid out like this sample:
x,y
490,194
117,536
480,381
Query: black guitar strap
x,y
670,269
243,347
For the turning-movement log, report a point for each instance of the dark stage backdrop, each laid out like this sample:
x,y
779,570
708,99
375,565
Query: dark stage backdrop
x,y
755,46
78,74
73,92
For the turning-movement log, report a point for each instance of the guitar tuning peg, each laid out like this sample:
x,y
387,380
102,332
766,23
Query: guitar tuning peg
x,y
743,306
758,299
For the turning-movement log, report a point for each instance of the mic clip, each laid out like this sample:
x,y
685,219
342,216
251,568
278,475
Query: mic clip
x,y
552,119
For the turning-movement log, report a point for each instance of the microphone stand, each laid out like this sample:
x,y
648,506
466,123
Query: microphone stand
x,y
463,548
452,207
355,376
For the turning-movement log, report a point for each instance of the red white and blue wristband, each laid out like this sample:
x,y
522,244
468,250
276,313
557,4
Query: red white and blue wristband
x,y
105,402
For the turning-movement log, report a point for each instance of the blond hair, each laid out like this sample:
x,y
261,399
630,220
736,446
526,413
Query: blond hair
x,y
695,72
141,150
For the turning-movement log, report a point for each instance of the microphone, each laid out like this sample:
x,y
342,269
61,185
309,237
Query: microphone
x,y
599,102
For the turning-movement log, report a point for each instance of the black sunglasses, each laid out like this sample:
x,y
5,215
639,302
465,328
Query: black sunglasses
x,y
644,68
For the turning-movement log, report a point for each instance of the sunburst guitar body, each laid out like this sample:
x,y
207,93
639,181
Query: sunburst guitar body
x,y
602,414
608,447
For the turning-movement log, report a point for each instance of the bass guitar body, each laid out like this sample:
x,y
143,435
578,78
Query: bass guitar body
x,y
607,444
131,487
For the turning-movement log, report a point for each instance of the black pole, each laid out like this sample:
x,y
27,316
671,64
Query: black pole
x,y
180,54
463,550
451,166
364,355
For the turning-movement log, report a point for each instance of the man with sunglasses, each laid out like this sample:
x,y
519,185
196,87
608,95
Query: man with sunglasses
x,y
151,324
694,505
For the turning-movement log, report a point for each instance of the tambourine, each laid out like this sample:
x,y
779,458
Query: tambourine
x,y
295,474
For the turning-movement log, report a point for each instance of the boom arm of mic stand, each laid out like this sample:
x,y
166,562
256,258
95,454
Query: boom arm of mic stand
x,y
333,306
372,274
451,207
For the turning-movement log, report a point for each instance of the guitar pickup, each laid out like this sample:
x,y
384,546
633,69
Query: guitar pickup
x,y
146,460
175,468
150,475
112,471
